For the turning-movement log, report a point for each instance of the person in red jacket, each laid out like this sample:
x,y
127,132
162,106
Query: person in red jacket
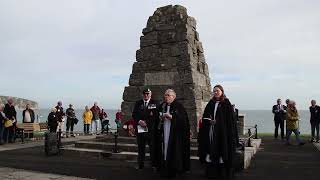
x,y
118,118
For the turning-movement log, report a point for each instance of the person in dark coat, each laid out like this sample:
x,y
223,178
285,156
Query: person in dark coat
x,y
146,116
11,114
71,118
53,120
217,136
279,112
236,117
3,118
174,136
60,117
314,120
103,116
28,115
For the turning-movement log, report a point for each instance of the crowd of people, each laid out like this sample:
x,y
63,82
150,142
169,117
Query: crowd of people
x,y
165,128
95,119
287,118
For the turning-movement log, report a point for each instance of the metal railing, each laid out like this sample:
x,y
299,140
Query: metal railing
x,y
251,134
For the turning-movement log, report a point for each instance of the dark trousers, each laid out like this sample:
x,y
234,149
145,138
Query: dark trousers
x,y
86,128
314,127
142,140
8,134
53,128
1,134
219,170
278,123
70,125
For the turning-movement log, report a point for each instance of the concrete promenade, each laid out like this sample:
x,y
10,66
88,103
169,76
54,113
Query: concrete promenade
x,y
274,161
28,144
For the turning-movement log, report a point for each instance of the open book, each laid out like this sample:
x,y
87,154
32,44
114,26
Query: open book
x,y
142,129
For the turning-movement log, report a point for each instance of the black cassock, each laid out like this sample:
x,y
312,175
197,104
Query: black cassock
x,y
224,139
178,151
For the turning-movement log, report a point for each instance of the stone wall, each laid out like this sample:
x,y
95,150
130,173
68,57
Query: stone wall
x,y
170,56
19,102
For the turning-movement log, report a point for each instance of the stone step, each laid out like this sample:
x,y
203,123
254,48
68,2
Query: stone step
x,y
132,140
127,147
103,154
86,153
251,151
101,150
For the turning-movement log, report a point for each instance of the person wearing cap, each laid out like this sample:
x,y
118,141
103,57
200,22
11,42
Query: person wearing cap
x,y
145,115
71,116
279,112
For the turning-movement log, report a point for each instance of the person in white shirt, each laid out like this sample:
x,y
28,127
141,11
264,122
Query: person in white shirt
x,y
28,115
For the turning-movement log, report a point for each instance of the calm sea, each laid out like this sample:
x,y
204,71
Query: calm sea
x,y
263,118
43,115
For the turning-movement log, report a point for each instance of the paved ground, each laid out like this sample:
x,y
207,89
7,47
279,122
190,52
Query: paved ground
x,y
20,174
274,161
27,144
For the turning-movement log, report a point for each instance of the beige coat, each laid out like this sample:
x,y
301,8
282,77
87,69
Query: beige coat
x,y
292,118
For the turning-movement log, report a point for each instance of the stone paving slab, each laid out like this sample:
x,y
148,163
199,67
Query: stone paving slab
x,y
19,174
317,145
28,144
275,161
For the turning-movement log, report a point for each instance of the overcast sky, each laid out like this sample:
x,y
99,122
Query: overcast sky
x,y
82,51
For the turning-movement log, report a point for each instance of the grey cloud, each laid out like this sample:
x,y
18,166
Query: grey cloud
x,y
257,49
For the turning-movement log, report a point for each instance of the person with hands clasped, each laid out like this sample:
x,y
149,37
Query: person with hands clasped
x,y
174,138
145,115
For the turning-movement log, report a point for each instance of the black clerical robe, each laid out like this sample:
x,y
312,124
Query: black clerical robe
x,y
224,141
178,150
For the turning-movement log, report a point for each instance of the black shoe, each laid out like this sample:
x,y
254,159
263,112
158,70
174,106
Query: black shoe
x,y
311,140
301,144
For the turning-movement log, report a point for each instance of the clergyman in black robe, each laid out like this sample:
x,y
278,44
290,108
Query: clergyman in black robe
x,y
217,136
174,136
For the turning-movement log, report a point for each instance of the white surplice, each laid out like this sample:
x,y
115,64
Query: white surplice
x,y
166,133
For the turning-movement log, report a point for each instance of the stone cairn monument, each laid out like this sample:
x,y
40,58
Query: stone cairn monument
x,y
170,56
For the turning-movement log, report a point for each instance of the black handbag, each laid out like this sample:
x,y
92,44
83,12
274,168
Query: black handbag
x,y
75,120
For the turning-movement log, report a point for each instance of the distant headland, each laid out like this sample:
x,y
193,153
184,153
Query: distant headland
x,y
19,102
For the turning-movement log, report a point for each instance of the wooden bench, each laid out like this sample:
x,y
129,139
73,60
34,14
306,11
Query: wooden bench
x,y
26,129
43,126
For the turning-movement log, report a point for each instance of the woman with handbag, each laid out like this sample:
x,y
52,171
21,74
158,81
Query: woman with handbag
x,y
10,112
